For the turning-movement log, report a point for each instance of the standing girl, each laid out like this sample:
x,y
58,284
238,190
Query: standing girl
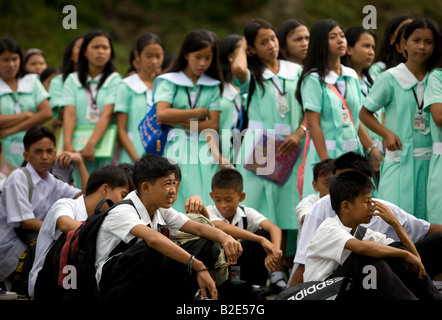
x,y
331,97
134,96
89,96
272,107
23,104
186,97
34,61
293,37
400,90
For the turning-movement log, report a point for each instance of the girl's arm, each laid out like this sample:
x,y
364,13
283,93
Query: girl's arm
x,y
69,124
368,144
391,140
212,121
124,137
7,121
239,62
436,113
293,140
101,126
171,116
314,126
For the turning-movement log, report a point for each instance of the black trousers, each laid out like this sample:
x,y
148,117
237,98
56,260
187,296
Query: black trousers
x,y
385,279
430,250
141,273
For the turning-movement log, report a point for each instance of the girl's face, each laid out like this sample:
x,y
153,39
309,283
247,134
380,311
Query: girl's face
x,y
98,51
266,45
9,65
36,64
198,61
419,45
297,43
363,52
76,50
337,42
150,58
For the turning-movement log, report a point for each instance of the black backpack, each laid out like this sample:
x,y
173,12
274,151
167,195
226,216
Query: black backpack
x,y
69,268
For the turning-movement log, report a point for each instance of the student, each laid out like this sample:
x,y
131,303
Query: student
x,y
69,65
67,214
433,105
155,182
400,90
24,103
89,96
261,239
272,107
334,128
336,250
20,217
134,96
389,56
293,36
426,236
189,95
34,61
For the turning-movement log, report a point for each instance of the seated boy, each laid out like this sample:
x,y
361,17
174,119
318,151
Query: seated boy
x,y
147,273
110,182
22,217
336,250
260,254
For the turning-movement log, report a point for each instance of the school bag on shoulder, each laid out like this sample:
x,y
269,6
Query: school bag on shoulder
x,y
69,268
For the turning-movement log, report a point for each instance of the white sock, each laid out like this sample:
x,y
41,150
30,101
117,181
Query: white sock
x,y
277,276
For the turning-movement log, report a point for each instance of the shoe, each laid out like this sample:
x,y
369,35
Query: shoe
x,y
7,295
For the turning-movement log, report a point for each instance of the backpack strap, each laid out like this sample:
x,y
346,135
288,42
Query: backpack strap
x,y
100,204
360,232
30,183
244,219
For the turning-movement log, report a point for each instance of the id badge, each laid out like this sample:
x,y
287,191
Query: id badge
x,y
282,105
93,114
345,118
17,107
420,122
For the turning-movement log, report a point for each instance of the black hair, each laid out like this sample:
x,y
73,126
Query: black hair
x,y
35,134
282,33
227,45
322,168
195,41
129,169
177,172
388,53
317,58
250,32
83,68
8,44
398,57
67,65
48,72
228,179
426,23
150,168
353,161
353,35
347,186
113,176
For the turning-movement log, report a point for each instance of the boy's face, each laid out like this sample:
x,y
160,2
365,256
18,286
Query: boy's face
x,y
321,184
227,201
162,192
41,156
361,210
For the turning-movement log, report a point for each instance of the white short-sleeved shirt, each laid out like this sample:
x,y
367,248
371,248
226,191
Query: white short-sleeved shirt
x,y
321,210
254,218
73,208
15,208
326,249
120,221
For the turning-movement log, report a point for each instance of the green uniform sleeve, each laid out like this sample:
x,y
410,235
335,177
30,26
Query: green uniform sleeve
x,y
381,93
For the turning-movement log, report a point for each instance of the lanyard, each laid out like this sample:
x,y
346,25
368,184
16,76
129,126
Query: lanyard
x,y
283,92
92,100
420,106
344,87
192,106
17,103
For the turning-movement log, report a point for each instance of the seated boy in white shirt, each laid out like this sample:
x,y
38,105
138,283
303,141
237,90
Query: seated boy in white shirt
x,y
335,251
21,217
110,182
261,238
155,266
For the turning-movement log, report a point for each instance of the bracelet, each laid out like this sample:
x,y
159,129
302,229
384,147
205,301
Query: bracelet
x,y
204,269
371,148
189,264
303,127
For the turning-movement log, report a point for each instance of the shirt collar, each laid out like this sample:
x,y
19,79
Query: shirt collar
x,y
36,177
180,78
230,92
24,84
404,76
135,83
331,77
287,70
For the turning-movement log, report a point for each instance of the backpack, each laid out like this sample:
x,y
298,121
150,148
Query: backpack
x,y
69,268
330,289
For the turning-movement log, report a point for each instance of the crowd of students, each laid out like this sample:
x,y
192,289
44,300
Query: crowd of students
x,y
321,89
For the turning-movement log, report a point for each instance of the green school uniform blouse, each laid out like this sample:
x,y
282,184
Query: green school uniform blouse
x,y
30,93
276,202
339,138
433,94
404,173
136,99
189,150
56,93
376,69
